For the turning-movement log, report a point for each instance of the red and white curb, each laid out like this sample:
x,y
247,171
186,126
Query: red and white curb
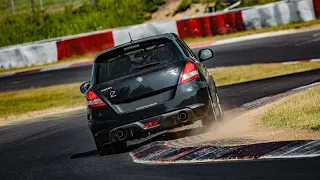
x,y
163,153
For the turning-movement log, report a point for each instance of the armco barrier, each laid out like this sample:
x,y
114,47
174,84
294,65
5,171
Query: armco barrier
x,y
84,45
316,6
210,25
278,13
31,54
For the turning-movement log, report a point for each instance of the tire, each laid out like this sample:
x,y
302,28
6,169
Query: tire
x,y
216,114
218,108
211,118
113,148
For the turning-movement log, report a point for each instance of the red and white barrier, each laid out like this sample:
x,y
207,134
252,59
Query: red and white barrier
x,y
210,25
272,14
120,35
84,45
278,13
316,6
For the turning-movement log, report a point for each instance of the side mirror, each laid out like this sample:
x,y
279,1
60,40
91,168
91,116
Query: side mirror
x,y
205,54
85,87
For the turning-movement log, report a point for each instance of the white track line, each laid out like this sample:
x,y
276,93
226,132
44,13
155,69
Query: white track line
x,y
254,36
50,68
290,156
290,62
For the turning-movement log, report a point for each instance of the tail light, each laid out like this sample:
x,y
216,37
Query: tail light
x,y
190,72
93,100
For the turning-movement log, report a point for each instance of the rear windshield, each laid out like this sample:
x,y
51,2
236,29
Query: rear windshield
x,y
135,58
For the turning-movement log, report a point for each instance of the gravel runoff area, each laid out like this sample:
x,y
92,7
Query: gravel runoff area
x,y
244,125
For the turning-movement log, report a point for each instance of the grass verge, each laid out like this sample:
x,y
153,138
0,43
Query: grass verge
x,y
24,7
31,102
298,25
104,14
237,74
301,111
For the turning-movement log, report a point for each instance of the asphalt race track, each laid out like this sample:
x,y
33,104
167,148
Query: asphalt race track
x,y
300,46
61,147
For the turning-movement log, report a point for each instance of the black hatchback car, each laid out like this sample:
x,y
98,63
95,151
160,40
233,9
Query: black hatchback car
x,y
146,86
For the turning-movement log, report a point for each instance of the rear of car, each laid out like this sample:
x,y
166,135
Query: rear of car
x,y
142,88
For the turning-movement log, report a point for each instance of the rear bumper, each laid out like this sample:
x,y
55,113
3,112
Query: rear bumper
x,y
166,121
191,97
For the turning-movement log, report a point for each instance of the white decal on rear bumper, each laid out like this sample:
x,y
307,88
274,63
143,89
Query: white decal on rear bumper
x,y
143,107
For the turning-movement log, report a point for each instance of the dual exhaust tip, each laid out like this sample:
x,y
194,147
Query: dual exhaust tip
x,y
121,134
183,116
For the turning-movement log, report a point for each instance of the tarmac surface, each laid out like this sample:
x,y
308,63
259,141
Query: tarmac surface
x,y
61,147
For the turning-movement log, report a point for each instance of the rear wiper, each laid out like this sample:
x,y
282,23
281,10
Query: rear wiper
x,y
146,66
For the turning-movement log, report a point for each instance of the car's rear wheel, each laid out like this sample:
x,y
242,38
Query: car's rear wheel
x,y
112,148
211,117
218,108
215,114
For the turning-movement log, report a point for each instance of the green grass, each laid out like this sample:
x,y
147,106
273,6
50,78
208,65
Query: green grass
x,y
103,15
298,25
316,128
32,102
36,101
300,111
24,6
184,5
237,74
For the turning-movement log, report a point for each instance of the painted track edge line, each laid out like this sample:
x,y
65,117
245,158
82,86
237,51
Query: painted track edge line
x,y
290,156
